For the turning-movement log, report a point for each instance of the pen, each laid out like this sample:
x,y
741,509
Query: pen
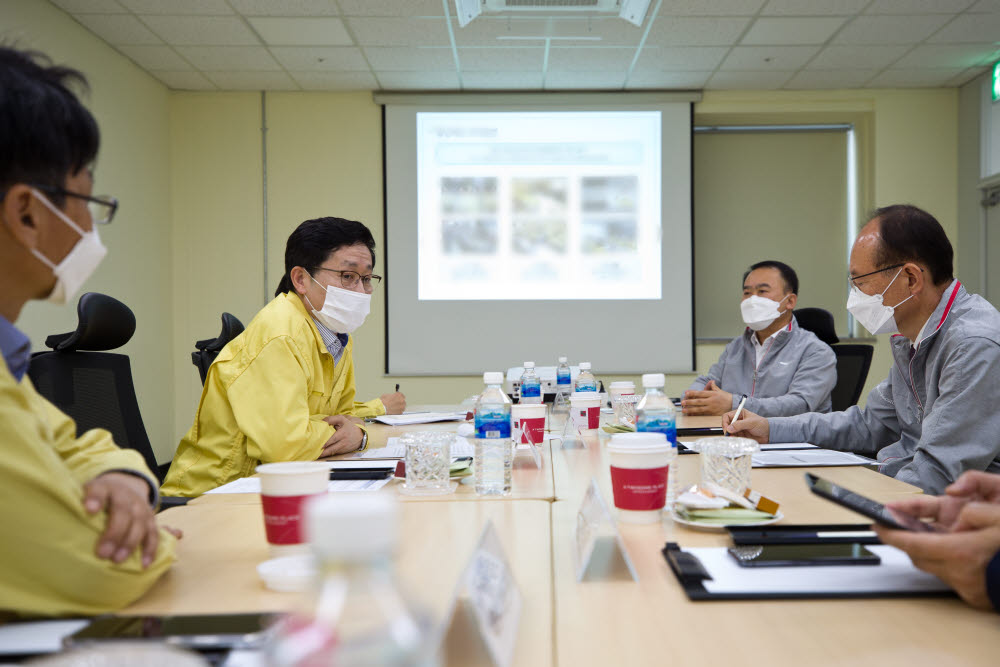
x,y
397,387
739,409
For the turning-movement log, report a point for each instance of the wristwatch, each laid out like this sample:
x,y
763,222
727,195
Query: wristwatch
x,y
364,440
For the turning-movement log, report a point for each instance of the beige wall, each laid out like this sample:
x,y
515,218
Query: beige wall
x,y
131,109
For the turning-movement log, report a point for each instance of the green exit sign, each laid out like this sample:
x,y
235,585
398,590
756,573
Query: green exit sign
x,y
996,82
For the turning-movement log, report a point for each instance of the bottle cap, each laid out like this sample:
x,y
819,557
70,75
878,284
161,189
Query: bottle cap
x,y
352,526
584,365
493,377
562,360
653,380
529,364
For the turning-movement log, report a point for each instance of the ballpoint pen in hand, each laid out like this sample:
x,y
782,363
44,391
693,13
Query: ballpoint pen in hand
x,y
739,409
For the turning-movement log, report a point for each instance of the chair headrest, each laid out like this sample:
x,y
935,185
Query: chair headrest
x,y
231,328
104,323
820,322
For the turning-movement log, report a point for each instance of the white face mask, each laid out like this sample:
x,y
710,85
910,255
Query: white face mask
x,y
759,312
76,266
344,310
871,312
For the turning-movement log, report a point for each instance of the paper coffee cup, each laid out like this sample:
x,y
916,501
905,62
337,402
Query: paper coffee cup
x,y
585,408
284,489
639,468
530,419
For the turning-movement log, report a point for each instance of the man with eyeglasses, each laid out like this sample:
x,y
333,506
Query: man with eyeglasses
x,y
80,534
283,390
935,416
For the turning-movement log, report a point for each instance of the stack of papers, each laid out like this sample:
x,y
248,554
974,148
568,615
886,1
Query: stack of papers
x,y
804,458
252,485
421,418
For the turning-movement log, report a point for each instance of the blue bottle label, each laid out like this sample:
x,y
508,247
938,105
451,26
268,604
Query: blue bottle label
x,y
492,426
531,390
666,426
562,377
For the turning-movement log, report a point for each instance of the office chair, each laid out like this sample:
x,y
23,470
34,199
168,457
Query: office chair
x,y
89,384
207,350
853,363
818,321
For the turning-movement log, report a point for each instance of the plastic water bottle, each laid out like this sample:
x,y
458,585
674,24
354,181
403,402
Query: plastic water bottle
x,y
357,615
564,379
586,381
494,453
655,413
531,386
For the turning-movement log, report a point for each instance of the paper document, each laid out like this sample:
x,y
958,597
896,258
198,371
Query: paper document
x,y
803,458
895,573
37,636
421,418
394,449
776,446
252,485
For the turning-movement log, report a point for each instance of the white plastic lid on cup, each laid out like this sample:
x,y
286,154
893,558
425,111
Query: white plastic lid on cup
x,y
584,365
639,443
562,360
352,527
293,478
585,397
622,385
529,364
493,377
653,380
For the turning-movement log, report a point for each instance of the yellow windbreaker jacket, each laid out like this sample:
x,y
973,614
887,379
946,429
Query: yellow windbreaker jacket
x,y
264,401
47,561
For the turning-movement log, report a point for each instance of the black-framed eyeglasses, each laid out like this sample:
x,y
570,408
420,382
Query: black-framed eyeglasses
x,y
349,279
852,279
102,207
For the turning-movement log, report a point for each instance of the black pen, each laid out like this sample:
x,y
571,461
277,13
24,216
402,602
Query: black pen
x,y
397,387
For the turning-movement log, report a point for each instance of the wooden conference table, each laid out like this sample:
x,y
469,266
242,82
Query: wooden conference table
x,y
603,621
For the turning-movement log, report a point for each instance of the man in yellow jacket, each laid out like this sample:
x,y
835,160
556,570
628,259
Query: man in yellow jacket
x,y
283,390
79,533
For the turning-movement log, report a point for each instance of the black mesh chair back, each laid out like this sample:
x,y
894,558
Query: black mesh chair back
x,y
818,321
207,350
90,385
853,363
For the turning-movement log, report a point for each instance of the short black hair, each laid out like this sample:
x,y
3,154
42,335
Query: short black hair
x,y
46,134
313,241
787,273
911,234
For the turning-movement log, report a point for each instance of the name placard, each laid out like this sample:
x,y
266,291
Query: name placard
x,y
600,552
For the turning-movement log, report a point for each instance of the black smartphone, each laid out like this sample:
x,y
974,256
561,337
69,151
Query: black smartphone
x,y
787,555
872,509
203,632
699,431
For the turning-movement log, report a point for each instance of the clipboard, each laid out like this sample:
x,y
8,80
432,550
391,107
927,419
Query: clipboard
x,y
888,580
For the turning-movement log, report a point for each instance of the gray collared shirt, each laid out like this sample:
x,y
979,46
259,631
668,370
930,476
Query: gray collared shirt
x,y
335,342
15,347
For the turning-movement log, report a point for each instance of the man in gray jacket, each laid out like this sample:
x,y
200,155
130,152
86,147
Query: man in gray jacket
x,y
782,368
936,415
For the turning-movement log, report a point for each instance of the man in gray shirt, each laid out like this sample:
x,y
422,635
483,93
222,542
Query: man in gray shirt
x,y
782,368
935,416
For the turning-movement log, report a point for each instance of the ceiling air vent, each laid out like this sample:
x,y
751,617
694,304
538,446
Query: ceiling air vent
x,y
552,5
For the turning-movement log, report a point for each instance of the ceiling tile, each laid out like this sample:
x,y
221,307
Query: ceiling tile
x,y
252,81
812,7
283,31
179,7
967,75
185,80
152,58
584,80
787,58
286,7
486,30
969,28
949,55
813,30
688,58
611,31
913,78
510,59
651,79
395,7
400,32
667,31
748,80
857,57
318,59
222,58
418,80
986,6
118,28
596,59
502,80
335,80
410,59
827,79
918,6
90,6
711,7
889,29
201,30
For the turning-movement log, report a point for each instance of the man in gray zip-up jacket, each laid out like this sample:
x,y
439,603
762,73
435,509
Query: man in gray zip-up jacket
x,y
782,368
936,415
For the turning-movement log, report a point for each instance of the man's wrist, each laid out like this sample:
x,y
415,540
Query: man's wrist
x,y
364,441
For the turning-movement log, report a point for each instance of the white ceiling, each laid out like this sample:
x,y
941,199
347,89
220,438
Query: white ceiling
x,y
418,44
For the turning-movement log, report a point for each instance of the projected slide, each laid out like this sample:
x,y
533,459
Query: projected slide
x,y
538,205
